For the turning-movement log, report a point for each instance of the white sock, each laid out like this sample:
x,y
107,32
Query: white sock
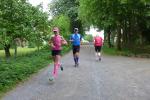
x,y
99,54
96,56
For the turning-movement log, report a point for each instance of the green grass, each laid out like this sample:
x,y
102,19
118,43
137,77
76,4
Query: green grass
x,y
133,52
110,51
19,69
21,51
141,49
114,51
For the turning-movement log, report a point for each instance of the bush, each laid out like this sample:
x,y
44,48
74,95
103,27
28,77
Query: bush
x,y
31,45
22,67
1,47
142,52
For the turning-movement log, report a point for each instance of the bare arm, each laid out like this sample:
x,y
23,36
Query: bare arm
x,y
71,40
64,41
50,42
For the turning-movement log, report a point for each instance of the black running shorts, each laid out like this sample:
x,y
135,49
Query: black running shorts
x,y
56,52
97,48
75,49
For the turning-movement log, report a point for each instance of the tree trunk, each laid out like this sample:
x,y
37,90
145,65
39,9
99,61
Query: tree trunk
x,y
7,52
109,39
38,42
119,38
130,34
125,36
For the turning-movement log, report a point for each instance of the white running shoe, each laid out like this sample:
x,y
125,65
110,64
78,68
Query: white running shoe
x,y
51,78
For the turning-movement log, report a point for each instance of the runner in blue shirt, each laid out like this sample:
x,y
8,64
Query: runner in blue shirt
x,y
76,41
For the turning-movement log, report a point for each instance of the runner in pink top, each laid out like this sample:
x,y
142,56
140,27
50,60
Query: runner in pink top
x,y
98,42
56,43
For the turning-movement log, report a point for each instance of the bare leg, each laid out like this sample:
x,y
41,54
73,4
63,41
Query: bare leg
x,y
58,57
55,67
96,55
99,56
77,58
74,56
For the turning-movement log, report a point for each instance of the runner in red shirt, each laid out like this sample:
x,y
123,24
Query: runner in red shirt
x,y
98,42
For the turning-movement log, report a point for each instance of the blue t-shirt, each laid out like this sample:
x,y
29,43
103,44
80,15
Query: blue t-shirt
x,y
76,39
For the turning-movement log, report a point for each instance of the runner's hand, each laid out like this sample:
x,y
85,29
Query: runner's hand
x,y
71,40
52,45
64,42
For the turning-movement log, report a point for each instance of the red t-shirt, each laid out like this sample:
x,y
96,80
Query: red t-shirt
x,y
98,41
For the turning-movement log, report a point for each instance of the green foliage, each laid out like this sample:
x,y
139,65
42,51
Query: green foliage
x,y
1,46
88,37
63,22
114,51
19,19
67,8
22,67
134,52
117,15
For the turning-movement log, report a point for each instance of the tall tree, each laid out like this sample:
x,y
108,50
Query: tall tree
x,y
16,21
123,16
68,8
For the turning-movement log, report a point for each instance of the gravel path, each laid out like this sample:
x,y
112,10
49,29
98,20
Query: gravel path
x,y
114,78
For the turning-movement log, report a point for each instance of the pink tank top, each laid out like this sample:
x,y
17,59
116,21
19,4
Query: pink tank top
x,y
57,42
98,41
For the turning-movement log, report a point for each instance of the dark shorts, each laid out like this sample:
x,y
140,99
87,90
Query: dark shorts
x,y
75,49
56,52
98,48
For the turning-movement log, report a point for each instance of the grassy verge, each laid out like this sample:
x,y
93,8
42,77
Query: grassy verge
x,y
21,51
134,52
114,51
22,67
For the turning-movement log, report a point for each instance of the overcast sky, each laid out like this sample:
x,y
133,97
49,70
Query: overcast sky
x,y
45,3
